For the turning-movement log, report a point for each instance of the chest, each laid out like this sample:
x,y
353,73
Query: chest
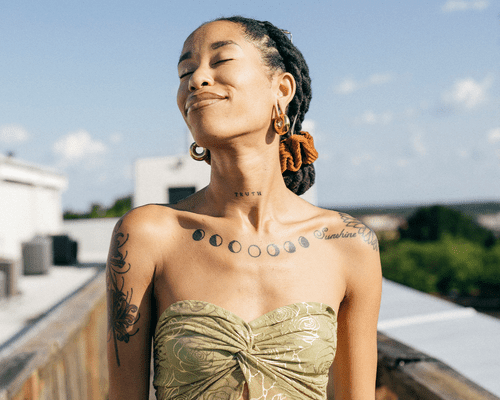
x,y
234,270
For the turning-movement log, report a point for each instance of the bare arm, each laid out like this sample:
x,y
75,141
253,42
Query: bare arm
x,y
129,281
355,365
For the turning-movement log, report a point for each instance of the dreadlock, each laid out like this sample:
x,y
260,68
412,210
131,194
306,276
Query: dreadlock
x,y
279,54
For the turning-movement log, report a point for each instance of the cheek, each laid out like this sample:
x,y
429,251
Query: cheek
x,y
181,97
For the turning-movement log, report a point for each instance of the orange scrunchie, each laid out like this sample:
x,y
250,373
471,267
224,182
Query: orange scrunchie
x,y
298,149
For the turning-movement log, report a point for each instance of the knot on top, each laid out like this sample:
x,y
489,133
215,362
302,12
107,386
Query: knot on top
x,y
296,150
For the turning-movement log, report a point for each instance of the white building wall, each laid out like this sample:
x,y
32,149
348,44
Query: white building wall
x,y
93,237
30,204
153,177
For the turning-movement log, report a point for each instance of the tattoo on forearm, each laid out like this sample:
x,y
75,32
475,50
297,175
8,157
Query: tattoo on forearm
x,y
366,233
122,314
253,250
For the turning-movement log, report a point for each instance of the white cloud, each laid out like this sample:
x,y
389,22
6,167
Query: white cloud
x,y
13,133
464,5
379,79
494,135
309,125
468,93
402,162
349,85
76,146
370,118
417,144
116,138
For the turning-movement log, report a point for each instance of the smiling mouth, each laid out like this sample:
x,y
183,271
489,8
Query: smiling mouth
x,y
202,103
202,100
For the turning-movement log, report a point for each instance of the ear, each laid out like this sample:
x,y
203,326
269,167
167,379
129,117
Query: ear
x,y
285,89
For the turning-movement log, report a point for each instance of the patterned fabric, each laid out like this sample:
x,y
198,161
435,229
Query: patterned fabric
x,y
202,351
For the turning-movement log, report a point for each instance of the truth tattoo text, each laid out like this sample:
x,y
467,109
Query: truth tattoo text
x,y
247,194
122,314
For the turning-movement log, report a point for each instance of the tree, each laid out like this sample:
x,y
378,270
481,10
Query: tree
x,y
120,207
429,224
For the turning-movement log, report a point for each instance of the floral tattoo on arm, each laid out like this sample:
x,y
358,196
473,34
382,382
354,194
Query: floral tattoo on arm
x,y
122,314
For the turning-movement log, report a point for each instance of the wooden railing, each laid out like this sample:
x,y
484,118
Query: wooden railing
x,y
63,357
406,374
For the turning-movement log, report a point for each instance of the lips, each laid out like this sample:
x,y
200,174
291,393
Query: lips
x,y
199,100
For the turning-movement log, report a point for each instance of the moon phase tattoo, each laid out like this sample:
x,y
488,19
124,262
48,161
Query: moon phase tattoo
x,y
122,314
289,247
198,234
234,246
253,250
215,240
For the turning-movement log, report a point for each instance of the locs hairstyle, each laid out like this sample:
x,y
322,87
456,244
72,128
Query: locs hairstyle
x,y
280,55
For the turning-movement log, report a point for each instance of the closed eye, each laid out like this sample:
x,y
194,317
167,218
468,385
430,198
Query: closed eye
x,y
185,74
222,61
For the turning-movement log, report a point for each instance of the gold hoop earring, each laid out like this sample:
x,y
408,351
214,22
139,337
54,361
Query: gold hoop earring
x,y
281,122
195,155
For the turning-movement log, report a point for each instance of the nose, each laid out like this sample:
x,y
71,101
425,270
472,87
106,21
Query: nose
x,y
199,78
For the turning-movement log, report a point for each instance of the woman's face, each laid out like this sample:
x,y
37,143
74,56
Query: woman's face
x,y
225,90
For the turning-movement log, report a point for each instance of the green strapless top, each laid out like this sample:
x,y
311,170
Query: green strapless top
x,y
202,351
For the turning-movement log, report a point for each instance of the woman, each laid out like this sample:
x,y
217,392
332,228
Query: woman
x,y
256,289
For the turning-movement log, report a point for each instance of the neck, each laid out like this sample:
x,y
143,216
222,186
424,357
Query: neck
x,y
246,185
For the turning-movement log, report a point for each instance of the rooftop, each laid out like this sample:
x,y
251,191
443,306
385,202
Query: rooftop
x,y
461,337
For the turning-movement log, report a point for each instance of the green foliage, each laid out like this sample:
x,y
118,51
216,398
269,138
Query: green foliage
x,y
120,207
431,223
443,251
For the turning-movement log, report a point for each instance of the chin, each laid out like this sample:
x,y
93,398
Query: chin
x,y
207,134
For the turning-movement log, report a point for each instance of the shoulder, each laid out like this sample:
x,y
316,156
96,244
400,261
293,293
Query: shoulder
x,y
355,243
141,232
147,220
333,225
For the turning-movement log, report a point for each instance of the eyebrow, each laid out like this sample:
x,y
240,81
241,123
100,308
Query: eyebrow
x,y
185,56
214,46
222,43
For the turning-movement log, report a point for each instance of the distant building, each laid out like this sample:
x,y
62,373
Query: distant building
x,y
385,225
491,222
30,204
170,179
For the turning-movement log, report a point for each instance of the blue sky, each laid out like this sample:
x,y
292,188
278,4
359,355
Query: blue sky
x,y
405,105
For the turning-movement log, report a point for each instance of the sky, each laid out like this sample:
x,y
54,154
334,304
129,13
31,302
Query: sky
x,y
405,108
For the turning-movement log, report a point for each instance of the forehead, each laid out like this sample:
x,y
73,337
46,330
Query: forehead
x,y
213,32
